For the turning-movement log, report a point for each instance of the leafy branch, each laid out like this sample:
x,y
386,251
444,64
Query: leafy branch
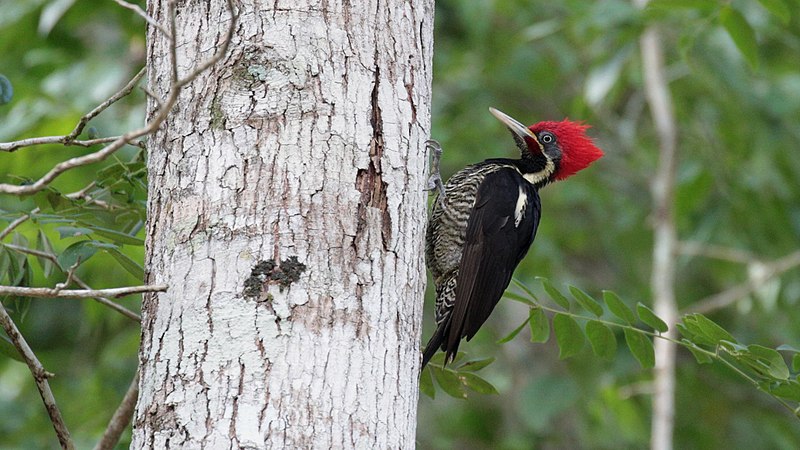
x,y
763,367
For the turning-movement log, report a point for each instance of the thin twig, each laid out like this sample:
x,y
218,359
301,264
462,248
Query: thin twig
x,y
70,273
161,115
138,10
124,92
111,304
738,292
17,222
70,139
22,291
74,195
102,300
121,418
40,377
16,145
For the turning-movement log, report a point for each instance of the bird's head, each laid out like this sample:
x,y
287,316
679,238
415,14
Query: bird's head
x,y
556,149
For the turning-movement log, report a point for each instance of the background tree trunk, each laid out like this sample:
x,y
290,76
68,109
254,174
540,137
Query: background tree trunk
x,y
286,213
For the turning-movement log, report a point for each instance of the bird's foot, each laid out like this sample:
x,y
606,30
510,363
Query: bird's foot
x,y
435,180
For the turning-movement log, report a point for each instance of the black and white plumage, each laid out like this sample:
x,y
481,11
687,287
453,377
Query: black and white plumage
x,y
485,221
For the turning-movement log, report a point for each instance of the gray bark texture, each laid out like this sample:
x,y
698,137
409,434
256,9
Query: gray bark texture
x,y
287,215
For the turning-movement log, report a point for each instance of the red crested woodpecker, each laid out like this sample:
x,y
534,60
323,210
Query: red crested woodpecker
x,y
485,218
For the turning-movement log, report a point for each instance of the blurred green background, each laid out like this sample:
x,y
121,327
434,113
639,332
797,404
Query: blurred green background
x,y
738,115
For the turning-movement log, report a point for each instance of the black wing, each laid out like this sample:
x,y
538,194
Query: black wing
x,y
500,231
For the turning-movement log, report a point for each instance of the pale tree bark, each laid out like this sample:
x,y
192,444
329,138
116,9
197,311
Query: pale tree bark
x,y
286,215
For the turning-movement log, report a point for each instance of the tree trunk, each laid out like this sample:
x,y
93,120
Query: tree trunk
x,y
287,215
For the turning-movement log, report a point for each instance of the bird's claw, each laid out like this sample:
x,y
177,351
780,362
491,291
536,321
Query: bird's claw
x,y
435,180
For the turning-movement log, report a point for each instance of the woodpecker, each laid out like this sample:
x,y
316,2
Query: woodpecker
x,y
484,220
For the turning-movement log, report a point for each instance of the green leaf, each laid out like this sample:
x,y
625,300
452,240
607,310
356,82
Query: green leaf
x,y
79,251
568,335
70,231
51,200
604,343
557,296
514,333
8,349
787,389
477,384
43,244
540,326
776,365
647,316
641,347
5,265
426,383
450,382
699,355
586,301
437,359
518,298
6,90
796,362
114,235
19,270
475,365
711,330
741,32
127,263
691,331
618,307
702,5
779,9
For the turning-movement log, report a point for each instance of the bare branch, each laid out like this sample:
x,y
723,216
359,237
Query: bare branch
x,y
113,305
738,292
125,91
70,139
162,113
22,291
17,222
16,145
70,274
72,163
145,16
154,97
121,418
40,377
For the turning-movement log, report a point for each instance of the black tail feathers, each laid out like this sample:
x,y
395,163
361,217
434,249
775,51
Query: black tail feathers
x,y
436,342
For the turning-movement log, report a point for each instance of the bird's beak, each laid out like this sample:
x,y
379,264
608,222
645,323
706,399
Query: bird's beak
x,y
517,128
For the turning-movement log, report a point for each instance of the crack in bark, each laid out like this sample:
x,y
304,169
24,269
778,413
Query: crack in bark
x,y
369,181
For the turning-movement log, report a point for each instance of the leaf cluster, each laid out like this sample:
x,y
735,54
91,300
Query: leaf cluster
x,y
763,367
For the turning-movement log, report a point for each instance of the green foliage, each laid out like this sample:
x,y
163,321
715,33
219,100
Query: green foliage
x,y
764,367
456,380
540,326
736,187
741,33
62,62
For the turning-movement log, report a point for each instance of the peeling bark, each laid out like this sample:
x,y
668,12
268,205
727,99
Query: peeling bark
x,y
287,215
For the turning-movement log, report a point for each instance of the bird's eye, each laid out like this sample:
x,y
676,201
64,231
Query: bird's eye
x,y
547,138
